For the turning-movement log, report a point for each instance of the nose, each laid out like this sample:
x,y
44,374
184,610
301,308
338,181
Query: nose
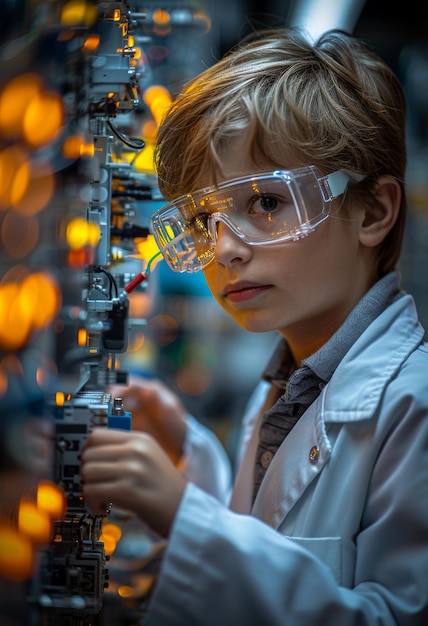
x,y
229,247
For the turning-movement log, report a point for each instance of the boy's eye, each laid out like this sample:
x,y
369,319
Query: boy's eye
x,y
263,204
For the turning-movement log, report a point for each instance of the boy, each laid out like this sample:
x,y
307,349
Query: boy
x,y
284,165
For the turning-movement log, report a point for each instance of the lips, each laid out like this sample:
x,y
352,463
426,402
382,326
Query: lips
x,y
243,291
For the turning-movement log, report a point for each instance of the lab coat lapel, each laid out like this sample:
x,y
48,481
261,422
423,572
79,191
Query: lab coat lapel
x,y
299,459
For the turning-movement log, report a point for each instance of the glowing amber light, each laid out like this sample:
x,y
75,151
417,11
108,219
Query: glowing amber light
x,y
91,43
116,15
112,530
154,92
40,294
80,233
14,328
110,535
125,591
158,100
14,175
51,499
14,99
26,306
59,398
72,146
161,17
78,12
44,118
131,41
16,555
87,149
82,337
33,523
20,183
75,146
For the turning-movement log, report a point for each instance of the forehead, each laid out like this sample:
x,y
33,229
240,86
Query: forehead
x,y
239,157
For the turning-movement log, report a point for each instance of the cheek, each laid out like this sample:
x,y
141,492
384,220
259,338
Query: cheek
x,y
322,260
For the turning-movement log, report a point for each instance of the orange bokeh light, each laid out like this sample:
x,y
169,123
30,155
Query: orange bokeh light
x,y
14,175
91,43
78,12
111,534
161,17
43,119
25,307
40,294
34,523
16,555
14,330
51,499
14,99
158,99
75,146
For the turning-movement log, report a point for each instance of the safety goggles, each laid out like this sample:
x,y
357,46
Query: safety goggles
x,y
264,209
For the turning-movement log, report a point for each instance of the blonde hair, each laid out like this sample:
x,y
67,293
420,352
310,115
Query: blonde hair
x,y
334,104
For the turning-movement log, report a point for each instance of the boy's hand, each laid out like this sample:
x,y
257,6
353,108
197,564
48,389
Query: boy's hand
x,y
131,471
155,410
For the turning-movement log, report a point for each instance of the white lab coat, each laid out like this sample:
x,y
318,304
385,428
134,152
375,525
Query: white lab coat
x,y
338,534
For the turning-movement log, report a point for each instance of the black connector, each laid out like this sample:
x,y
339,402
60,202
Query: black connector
x,y
129,230
116,339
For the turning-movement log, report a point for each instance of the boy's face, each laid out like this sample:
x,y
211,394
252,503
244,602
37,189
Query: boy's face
x,y
304,289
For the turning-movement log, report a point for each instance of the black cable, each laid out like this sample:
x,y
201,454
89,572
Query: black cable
x,y
134,144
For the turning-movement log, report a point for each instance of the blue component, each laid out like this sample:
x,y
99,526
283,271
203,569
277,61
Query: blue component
x,y
118,418
123,422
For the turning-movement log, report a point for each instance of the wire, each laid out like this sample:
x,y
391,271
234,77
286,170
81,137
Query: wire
x,y
141,276
134,144
112,283
149,264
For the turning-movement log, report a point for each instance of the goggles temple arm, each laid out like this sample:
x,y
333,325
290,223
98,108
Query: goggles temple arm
x,y
334,185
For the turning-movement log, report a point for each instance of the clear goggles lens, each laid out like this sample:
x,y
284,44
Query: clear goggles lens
x,y
262,209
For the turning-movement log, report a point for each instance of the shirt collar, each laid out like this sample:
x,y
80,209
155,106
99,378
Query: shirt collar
x,y
323,362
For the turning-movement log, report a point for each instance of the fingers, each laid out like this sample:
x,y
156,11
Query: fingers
x,y
132,471
99,497
157,411
102,436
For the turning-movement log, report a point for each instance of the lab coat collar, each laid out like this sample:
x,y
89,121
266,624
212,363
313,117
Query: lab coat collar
x,y
352,394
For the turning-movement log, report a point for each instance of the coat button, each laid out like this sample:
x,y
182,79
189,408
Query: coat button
x,y
314,454
266,458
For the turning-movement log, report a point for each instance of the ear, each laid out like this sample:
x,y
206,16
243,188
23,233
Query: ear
x,y
379,217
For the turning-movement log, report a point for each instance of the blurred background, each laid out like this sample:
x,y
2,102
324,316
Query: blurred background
x,y
70,199
188,341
